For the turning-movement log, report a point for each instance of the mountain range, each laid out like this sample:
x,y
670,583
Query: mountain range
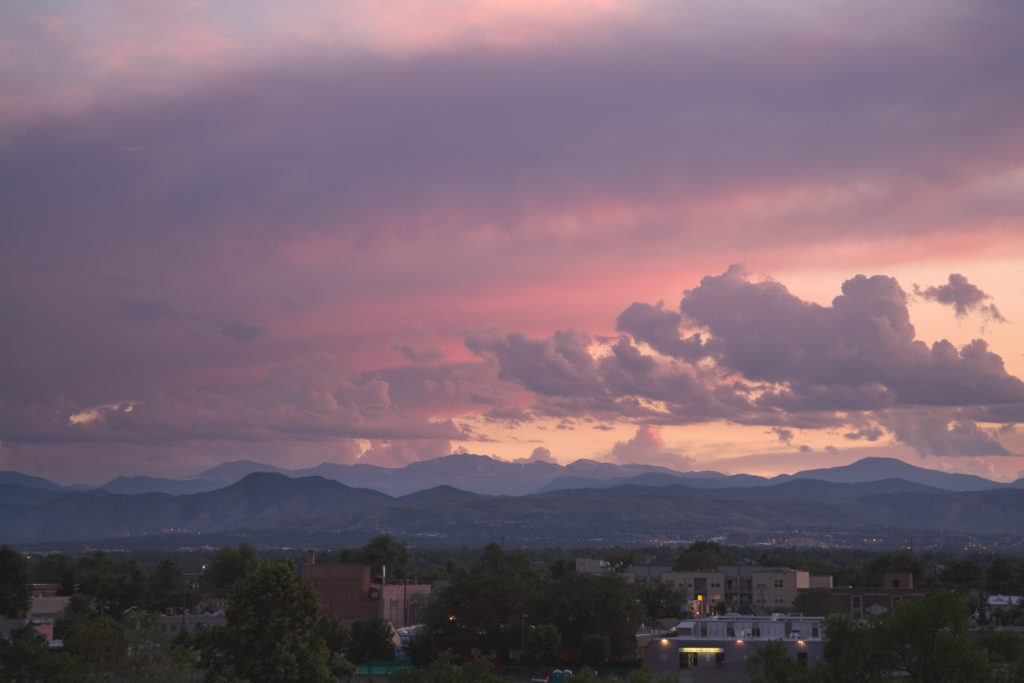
x,y
489,476
467,498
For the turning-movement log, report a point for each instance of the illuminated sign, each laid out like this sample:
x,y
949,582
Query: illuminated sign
x,y
702,650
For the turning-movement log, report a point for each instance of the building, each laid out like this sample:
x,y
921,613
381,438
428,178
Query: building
x,y
348,592
757,590
860,603
345,590
717,648
405,604
589,565
644,574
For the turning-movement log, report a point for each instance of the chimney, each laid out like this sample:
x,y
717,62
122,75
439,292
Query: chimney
x,y
310,557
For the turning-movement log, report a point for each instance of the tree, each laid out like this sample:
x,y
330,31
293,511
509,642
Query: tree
x,y
100,643
484,606
15,596
660,600
269,619
817,602
371,641
542,643
855,651
900,561
25,656
701,555
229,565
115,586
772,664
56,568
595,649
963,575
384,551
443,671
1001,576
581,604
168,587
930,642
336,635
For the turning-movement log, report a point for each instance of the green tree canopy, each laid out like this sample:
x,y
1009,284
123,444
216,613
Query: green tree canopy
x,y
382,551
963,575
56,568
371,641
229,565
14,577
484,606
269,619
1001,577
115,587
772,664
817,602
662,601
701,555
542,643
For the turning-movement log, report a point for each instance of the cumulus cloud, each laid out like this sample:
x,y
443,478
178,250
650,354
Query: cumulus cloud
x,y
396,453
539,454
647,446
962,296
560,365
784,435
751,352
419,354
658,327
942,434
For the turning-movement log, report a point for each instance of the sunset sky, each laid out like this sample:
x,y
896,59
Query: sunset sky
x,y
732,235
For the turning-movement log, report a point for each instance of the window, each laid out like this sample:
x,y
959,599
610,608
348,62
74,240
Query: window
x,y
755,630
761,584
801,657
895,583
855,601
779,599
716,584
778,583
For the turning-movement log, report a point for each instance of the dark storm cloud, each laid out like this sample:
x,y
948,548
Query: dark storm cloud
x,y
962,296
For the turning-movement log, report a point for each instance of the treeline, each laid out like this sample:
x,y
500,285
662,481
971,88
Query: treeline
x,y
528,606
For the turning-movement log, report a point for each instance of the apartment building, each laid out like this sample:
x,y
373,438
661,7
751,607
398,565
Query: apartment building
x,y
758,590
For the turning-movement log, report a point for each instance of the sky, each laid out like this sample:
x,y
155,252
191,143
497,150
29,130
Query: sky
x,y
708,235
